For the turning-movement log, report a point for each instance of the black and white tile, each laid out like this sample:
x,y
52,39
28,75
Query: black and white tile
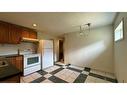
x,y
81,78
42,72
69,74
38,80
56,79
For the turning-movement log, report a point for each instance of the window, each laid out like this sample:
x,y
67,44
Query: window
x,y
119,32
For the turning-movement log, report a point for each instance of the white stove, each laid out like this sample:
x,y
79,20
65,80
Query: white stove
x,y
32,62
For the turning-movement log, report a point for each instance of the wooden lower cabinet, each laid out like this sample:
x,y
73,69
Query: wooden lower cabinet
x,y
17,61
13,79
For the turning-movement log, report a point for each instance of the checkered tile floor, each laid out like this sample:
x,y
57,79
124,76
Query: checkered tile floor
x,y
69,74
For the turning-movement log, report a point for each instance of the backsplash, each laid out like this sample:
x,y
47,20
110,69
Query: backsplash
x,y
7,49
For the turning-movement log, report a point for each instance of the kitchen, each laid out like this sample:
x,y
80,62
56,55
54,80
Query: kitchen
x,y
20,47
57,47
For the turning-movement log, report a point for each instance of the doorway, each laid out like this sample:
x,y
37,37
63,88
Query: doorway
x,y
61,51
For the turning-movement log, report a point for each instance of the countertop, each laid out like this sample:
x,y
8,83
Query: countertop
x,y
8,71
12,55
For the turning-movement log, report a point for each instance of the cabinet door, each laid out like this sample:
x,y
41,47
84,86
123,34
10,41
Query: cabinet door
x,y
19,63
25,33
14,34
29,33
11,60
33,34
4,27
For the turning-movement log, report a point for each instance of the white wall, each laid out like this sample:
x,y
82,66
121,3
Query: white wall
x,y
7,49
42,35
120,52
95,50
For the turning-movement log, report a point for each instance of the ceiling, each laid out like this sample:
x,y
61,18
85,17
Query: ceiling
x,y
58,23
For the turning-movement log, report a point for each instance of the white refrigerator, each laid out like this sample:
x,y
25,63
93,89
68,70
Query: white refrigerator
x,y
46,50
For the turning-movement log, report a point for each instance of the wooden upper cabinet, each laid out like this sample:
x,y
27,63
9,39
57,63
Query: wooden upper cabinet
x,y
33,34
14,34
9,33
25,33
4,28
29,33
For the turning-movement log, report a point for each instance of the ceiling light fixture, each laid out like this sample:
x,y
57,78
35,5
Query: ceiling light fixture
x,y
84,29
34,25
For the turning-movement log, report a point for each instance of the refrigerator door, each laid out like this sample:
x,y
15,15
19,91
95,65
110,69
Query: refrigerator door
x,y
47,58
48,44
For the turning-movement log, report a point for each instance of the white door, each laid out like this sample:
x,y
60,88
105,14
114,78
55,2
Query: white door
x,y
47,59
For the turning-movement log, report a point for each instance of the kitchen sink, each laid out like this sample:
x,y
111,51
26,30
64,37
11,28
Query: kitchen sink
x,y
3,62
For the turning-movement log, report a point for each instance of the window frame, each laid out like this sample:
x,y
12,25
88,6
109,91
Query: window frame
x,y
122,20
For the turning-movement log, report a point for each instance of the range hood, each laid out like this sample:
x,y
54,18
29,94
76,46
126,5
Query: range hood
x,y
29,40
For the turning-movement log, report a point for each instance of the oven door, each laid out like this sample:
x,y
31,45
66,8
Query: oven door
x,y
31,60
